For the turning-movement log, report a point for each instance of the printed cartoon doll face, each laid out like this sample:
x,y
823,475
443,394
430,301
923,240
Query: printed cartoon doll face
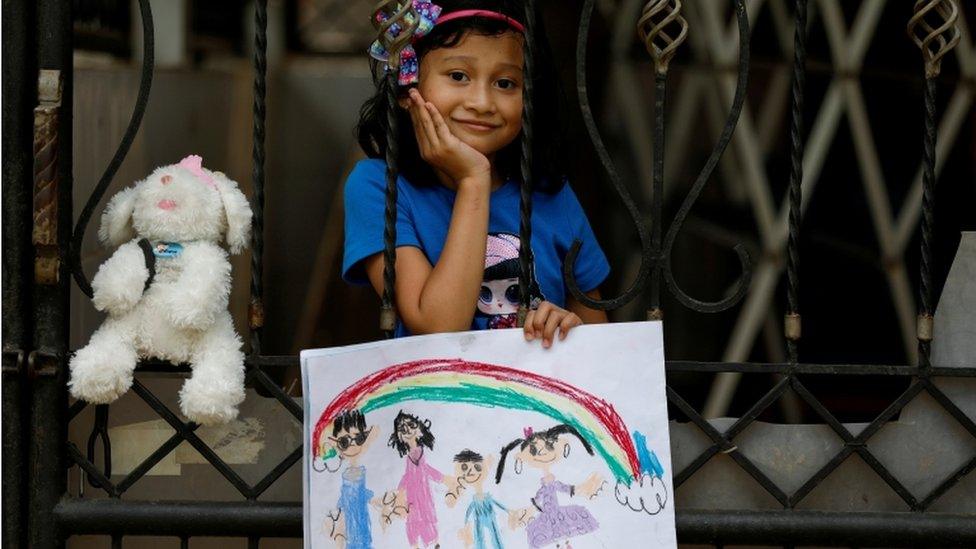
x,y
541,452
351,442
499,297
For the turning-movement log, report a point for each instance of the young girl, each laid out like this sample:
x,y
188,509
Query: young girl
x,y
459,128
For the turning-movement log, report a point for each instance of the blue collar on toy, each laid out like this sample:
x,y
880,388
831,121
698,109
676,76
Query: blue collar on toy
x,y
167,249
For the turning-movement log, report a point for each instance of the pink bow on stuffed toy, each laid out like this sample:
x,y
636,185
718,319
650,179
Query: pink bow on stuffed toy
x,y
194,163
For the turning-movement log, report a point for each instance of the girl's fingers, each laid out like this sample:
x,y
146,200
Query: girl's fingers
x,y
422,142
527,327
426,122
555,318
569,321
443,132
540,317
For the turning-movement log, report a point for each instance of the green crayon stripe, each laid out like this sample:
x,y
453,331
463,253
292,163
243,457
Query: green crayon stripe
x,y
487,397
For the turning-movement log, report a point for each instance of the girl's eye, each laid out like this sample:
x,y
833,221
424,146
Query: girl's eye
x,y
458,76
532,450
506,84
485,295
512,293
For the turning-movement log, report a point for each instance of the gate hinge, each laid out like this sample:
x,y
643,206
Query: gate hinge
x,y
43,364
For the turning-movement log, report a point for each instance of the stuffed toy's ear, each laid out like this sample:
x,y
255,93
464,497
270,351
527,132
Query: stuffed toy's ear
x,y
116,225
238,212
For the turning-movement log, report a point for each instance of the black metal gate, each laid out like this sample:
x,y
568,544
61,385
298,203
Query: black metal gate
x,y
38,259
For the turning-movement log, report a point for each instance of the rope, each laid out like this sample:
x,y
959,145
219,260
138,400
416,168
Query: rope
x,y
145,85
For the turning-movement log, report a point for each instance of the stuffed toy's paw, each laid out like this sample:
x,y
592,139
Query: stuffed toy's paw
x,y
101,373
209,403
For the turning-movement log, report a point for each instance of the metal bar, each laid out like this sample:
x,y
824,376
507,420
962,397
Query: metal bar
x,y
143,518
827,528
87,517
823,369
47,480
18,100
256,312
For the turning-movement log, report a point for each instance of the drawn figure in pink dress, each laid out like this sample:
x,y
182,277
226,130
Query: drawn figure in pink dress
x,y
546,521
410,437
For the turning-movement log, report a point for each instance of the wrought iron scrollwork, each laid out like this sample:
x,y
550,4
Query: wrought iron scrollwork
x,y
145,85
645,266
662,29
742,284
935,41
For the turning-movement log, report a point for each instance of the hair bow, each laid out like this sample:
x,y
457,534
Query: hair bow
x,y
409,67
527,432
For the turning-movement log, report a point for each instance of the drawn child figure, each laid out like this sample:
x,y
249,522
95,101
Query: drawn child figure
x,y
554,523
458,128
471,470
499,297
410,437
349,526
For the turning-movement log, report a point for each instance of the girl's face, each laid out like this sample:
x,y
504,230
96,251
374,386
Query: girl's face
x,y
499,297
542,452
409,431
477,87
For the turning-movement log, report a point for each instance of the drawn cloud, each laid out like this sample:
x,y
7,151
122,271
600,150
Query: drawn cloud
x,y
649,494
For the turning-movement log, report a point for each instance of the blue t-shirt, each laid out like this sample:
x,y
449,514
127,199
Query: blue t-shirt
x,y
423,217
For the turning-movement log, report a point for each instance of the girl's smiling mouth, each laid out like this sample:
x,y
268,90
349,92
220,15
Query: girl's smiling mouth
x,y
476,126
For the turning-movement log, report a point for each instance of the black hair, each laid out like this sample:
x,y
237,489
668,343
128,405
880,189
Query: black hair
x,y
426,438
468,456
550,435
510,268
371,131
347,420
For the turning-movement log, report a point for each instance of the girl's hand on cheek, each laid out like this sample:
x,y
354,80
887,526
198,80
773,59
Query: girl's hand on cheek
x,y
439,147
544,321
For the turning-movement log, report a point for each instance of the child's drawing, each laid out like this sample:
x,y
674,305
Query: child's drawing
x,y
554,523
581,455
471,470
349,523
410,437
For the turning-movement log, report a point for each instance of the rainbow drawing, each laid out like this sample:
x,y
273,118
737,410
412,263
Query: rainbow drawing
x,y
479,384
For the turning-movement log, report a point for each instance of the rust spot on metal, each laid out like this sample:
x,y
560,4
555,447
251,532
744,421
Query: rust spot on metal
x,y
655,314
924,327
387,319
792,326
44,233
255,314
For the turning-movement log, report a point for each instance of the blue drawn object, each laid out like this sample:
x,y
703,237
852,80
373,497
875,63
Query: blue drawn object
x,y
482,507
167,249
353,500
648,459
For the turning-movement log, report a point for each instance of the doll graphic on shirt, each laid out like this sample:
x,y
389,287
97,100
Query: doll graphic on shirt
x,y
499,297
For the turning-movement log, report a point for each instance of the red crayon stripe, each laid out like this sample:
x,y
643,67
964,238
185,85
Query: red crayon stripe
x,y
355,395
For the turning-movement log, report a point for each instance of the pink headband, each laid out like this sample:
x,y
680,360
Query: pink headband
x,y
487,14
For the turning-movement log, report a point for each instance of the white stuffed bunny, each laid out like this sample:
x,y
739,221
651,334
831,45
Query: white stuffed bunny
x,y
180,313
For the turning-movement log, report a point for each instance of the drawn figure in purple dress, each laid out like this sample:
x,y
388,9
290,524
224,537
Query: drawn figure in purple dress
x,y
410,437
547,522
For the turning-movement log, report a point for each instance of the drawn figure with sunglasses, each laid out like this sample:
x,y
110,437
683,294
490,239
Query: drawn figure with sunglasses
x,y
349,524
410,437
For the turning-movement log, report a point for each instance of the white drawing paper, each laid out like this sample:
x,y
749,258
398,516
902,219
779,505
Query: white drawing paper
x,y
484,440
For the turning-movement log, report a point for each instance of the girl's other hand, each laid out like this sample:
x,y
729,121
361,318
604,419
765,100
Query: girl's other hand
x,y
546,319
439,147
